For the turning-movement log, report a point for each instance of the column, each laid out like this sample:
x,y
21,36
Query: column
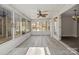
x,y
20,26
51,28
13,25
6,28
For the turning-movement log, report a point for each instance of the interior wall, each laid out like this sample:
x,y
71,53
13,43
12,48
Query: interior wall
x,y
57,25
68,26
56,28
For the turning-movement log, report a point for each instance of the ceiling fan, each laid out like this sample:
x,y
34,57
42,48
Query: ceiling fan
x,y
42,13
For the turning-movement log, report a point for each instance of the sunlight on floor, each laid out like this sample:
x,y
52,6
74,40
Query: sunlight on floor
x,y
37,51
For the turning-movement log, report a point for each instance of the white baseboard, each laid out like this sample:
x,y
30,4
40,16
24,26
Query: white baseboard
x,y
69,36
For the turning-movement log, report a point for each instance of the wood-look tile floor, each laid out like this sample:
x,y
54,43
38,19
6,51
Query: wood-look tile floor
x,y
54,47
72,42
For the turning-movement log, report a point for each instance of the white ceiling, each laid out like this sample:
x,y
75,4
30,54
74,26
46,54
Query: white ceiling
x,y
71,12
52,9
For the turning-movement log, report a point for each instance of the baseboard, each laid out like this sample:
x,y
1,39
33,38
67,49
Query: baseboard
x,y
69,37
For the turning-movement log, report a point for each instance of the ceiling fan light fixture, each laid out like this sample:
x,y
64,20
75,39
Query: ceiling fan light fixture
x,y
42,14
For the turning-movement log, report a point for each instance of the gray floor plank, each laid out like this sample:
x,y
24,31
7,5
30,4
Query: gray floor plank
x,y
55,48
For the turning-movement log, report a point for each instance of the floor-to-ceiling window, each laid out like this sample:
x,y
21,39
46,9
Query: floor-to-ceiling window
x,y
8,29
5,25
28,26
17,25
23,25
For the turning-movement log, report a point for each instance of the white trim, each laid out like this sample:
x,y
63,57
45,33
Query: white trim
x,y
47,50
6,28
13,25
20,26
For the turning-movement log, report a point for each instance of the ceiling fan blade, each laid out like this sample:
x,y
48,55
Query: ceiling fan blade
x,y
44,11
44,14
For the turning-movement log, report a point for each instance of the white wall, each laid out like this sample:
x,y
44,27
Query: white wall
x,y
6,47
69,26
57,28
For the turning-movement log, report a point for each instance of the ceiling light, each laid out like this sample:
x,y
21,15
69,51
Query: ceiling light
x,y
75,17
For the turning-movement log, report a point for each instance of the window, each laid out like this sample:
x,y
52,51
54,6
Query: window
x,y
40,26
9,26
23,25
28,26
17,25
5,25
34,28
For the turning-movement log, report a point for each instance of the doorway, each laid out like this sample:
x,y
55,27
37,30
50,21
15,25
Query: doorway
x,y
70,29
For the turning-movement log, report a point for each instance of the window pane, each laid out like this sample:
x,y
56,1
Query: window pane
x,y
23,26
40,26
9,23
28,26
17,25
5,25
34,28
